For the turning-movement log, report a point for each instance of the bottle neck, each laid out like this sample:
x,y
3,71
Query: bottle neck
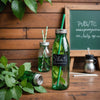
x,y
60,35
43,46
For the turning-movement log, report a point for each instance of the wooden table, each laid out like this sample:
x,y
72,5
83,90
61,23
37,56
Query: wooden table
x,y
81,88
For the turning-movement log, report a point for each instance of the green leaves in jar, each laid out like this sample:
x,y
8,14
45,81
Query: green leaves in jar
x,y
55,75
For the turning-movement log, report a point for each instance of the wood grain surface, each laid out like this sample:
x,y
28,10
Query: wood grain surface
x,y
22,44
12,33
80,88
31,20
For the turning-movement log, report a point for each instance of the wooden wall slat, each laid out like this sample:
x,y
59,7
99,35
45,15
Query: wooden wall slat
x,y
22,44
55,7
19,54
12,33
77,0
31,20
37,33
33,62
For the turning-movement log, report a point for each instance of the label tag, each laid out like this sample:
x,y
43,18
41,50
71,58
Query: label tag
x,y
59,60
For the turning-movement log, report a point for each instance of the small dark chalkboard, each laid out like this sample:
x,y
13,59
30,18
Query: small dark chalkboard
x,y
83,26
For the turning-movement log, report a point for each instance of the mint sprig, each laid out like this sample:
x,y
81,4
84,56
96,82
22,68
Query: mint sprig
x,y
10,86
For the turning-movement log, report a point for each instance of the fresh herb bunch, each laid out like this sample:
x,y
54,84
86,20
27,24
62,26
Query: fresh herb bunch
x,y
10,86
18,6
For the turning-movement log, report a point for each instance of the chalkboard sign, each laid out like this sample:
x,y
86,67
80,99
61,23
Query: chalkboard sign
x,y
83,25
84,29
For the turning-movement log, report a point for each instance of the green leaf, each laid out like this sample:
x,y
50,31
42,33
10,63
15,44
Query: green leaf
x,y
2,84
2,77
2,6
40,89
10,81
21,71
24,82
18,8
56,47
16,92
2,94
8,95
27,66
3,60
54,80
56,71
62,80
31,4
41,2
11,65
29,88
49,1
2,66
55,74
14,71
8,73
16,67
10,1
4,1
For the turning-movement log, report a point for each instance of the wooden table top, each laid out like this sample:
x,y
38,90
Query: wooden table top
x,y
80,88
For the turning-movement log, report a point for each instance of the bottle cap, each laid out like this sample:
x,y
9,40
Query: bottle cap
x,y
89,56
61,31
44,43
38,79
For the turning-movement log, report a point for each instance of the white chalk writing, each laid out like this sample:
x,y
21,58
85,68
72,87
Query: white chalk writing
x,y
84,23
87,29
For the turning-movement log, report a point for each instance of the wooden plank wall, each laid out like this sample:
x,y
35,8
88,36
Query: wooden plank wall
x,y
19,40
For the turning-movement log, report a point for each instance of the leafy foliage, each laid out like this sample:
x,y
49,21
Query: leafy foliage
x,y
40,89
2,6
31,4
10,85
4,1
18,6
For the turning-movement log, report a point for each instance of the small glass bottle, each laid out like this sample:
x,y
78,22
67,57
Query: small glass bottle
x,y
32,77
89,65
60,61
44,57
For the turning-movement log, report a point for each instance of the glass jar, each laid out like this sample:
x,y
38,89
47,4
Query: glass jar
x,y
44,57
60,61
32,77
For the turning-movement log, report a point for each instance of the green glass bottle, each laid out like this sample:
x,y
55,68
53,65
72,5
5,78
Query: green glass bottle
x,y
60,61
32,77
44,57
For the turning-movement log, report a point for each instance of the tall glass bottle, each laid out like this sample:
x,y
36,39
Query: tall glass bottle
x,y
60,61
44,57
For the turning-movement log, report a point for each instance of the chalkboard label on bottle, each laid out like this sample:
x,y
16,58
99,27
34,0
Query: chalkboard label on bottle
x,y
59,60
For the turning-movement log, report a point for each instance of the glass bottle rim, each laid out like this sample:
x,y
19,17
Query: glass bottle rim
x,y
61,31
44,43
